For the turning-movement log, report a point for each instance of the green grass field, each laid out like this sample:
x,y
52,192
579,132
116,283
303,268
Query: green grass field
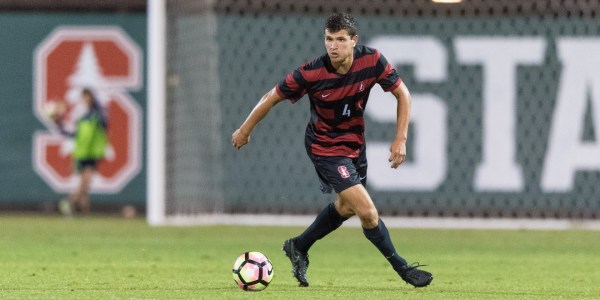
x,y
107,258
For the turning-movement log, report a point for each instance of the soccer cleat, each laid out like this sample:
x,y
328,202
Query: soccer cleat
x,y
299,261
416,277
64,207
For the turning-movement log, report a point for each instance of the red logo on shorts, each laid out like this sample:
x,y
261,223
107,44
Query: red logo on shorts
x,y
343,171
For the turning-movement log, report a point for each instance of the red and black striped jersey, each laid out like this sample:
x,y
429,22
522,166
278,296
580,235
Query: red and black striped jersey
x,y
337,102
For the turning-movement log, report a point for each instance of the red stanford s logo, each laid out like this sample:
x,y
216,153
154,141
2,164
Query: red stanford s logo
x,y
108,61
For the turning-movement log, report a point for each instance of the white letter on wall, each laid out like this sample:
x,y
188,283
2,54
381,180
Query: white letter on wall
x,y
580,82
499,58
428,118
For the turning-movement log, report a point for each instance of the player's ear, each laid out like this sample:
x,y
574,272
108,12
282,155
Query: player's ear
x,y
354,40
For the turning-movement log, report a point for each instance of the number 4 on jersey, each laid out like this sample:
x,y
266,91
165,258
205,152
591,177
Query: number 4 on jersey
x,y
346,111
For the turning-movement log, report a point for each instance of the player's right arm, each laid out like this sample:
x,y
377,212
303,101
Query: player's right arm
x,y
242,135
61,128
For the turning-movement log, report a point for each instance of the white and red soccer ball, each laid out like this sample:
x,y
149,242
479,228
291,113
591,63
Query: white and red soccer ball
x,y
252,271
55,110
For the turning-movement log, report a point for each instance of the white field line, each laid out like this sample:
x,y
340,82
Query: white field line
x,y
390,222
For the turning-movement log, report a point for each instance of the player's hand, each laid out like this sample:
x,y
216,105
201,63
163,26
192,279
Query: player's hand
x,y
239,139
397,153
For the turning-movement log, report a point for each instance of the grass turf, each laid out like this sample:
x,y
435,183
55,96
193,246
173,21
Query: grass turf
x,y
106,258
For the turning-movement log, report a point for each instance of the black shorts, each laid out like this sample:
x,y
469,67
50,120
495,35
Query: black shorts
x,y
86,163
339,173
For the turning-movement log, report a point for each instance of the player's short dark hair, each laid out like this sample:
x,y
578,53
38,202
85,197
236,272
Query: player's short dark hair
x,y
339,21
87,91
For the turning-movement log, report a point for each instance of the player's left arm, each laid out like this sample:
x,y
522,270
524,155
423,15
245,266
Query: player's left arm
x,y
398,147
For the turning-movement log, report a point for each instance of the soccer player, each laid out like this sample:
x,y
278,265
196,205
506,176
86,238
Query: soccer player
x,y
90,145
338,85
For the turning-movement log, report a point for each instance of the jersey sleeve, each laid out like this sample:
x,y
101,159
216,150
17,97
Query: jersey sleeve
x,y
293,86
388,78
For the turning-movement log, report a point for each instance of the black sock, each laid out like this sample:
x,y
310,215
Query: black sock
x,y
380,237
327,221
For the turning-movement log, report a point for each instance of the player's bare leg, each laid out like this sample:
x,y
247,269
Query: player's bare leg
x,y
356,200
79,199
69,205
84,203
84,186
74,200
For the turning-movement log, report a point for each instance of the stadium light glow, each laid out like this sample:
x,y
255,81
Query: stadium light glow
x,y
446,1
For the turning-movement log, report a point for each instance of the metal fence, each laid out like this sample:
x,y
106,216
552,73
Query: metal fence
x,y
506,107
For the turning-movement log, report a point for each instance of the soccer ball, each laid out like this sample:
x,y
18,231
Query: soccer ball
x,y
252,271
55,109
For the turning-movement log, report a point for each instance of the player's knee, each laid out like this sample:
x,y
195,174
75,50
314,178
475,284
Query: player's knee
x,y
343,209
369,217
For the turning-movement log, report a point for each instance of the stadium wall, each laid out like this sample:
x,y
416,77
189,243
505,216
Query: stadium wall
x,y
484,99
40,57
504,124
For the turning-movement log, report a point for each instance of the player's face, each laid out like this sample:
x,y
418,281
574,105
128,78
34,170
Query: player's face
x,y
87,99
340,45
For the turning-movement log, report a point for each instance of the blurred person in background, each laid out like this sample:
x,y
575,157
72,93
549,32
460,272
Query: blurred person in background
x,y
90,141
